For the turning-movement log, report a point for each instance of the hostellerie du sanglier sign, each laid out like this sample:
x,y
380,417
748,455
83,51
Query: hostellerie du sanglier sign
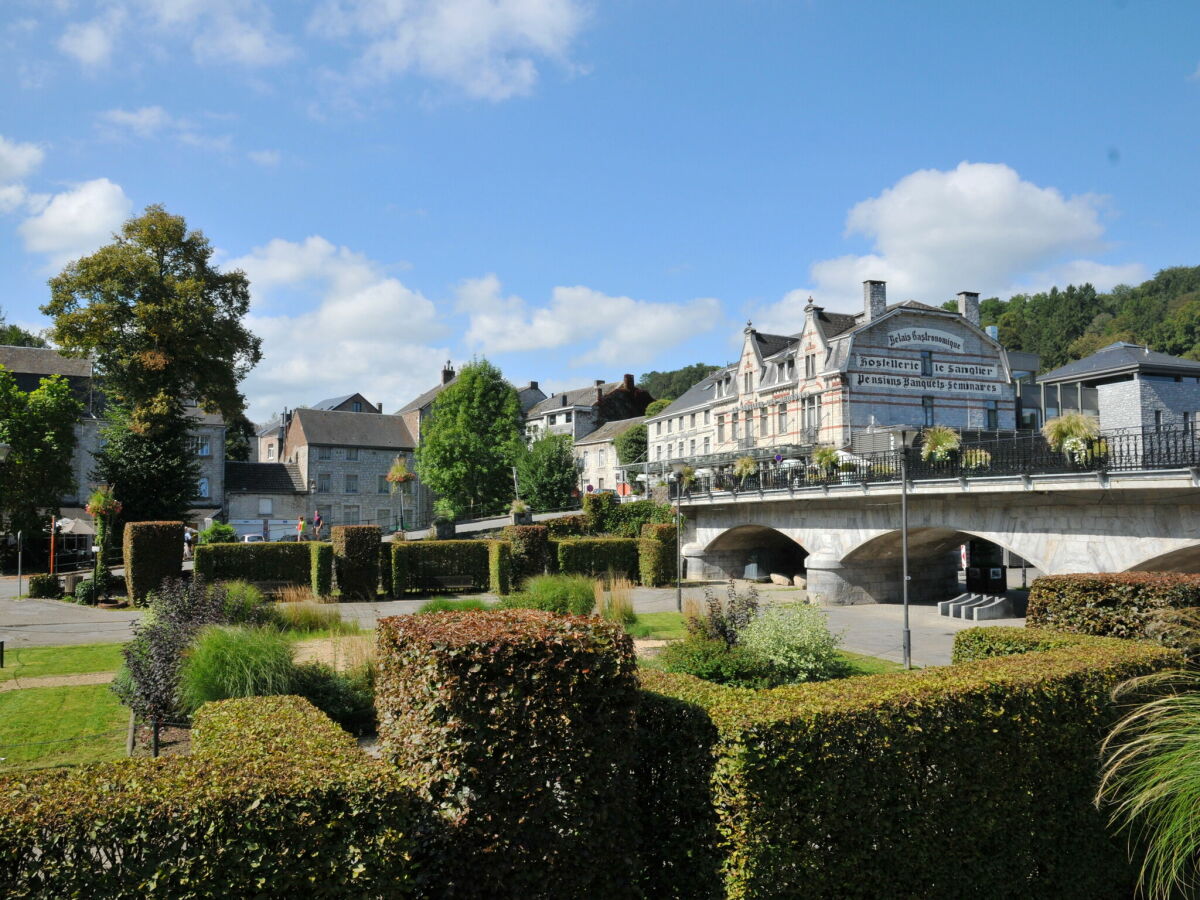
x,y
926,336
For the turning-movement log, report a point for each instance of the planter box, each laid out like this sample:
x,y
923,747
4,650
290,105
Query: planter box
x,y
443,530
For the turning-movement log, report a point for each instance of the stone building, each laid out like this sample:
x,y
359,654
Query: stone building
x,y
31,364
888,369
581,411
265,498
1126,386
596,457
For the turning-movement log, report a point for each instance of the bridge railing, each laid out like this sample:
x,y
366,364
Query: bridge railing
x,y
1129,450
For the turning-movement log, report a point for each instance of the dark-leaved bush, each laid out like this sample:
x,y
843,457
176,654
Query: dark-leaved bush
x,y
356,560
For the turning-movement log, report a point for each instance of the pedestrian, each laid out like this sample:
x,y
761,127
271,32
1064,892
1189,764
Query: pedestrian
x,y
188,537
317,523
300,529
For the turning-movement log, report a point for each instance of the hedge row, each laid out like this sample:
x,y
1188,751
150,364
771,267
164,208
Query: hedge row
x,y
290,562
657,555
517,726
569,526
421,565
356,560
385,567
598,556
973,780
988,642
153,553
274,801
1128,605
530,550
607,515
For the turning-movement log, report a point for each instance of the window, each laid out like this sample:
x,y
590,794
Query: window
x,y
1187,421
265,506
670,425
692,447
733,426
783,426
658,451
585,459
356,406
324,453
926,363
658,428
810,413
602,458
707,416
599,484
720,429
381,485
679,450
927,410
202,488
552,418
1157,425
567,417
706,445
201,445
350,515
324,483
810,365
992,415
747,382
351,484
693,421
352,453
763,426
270,451
383,518
791,369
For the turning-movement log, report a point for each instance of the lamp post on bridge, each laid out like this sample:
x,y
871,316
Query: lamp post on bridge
x,y
678,468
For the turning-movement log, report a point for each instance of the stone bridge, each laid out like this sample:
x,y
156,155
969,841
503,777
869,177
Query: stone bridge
x,y
846,538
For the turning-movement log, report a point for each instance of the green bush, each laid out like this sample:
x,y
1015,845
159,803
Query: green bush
x,y
444,604
716,662
356,560
286,562
997,640
276,800
313,617
564,595
530,550
837,788
346,697
91,591
218,533
246,605
568,526
320,568
1126,605
153,554
657,555
598,556
225,662
534,772
794,641
418,566
607,515
385,567
44,587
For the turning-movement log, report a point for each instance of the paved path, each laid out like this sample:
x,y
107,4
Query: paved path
x,y
46,623
45,681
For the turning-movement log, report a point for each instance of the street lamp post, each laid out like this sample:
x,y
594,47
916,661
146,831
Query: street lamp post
x,y
678,468
904,549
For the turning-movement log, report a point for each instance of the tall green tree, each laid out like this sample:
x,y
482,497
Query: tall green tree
x,y
671,384
16,336
548,473
631,445
39,427
472,440
153,474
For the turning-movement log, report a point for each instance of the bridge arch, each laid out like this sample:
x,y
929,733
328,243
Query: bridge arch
x,y
749,549
1182,559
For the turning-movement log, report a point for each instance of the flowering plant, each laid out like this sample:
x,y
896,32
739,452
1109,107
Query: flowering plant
x,y
102,504
938,442
398,474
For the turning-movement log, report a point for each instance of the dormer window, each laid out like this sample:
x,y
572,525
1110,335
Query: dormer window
x,y
748,382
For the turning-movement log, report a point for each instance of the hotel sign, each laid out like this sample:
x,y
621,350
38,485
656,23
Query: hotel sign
x,y
928,385
906,365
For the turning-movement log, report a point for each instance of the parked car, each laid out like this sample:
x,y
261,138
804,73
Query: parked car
x,y
251,538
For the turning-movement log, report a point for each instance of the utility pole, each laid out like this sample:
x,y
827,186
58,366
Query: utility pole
x,y
516,484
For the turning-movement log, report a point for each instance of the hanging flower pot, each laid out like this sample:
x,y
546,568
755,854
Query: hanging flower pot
x,y
398,474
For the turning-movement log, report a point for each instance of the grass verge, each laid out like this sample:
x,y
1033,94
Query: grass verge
x,y
76,659
659,626
60,726
861,664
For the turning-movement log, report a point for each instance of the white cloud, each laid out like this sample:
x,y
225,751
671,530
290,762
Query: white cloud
x,y
92,43
367,332
619,329
268,159
148,121
18,160
76,221
978,227
151,122
487,48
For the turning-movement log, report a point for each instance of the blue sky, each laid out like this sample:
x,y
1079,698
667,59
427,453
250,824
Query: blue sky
x,y
577,189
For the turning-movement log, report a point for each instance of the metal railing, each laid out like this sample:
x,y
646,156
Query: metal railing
x,y
1132,450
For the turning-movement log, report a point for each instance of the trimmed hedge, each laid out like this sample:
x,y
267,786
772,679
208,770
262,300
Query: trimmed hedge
x,y
657,557
385,567
356,560
290,562
274,801
988,642
569,526
595,556
607,515
969,780
1126,605
530,550
153,553
416,565
44,587
517,726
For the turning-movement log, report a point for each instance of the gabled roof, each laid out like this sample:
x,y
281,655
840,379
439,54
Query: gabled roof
x,y
699,393
1121,358
585,396
426,398
349,429
610,430
833,324
41,361
263,478
335,402
770,344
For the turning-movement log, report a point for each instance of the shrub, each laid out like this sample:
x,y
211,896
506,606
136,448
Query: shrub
x,y
607,515
530,550
346,697
356,560
794,641
218,533
91,591
443,604
225,662
418,565
313,617
320,568
598,556
244,604
44,587
564,595
922,757
499,567
385,568
1128,605
235,819
153,554
724,621
998,640
657,555
568,526
290,562
938,442
714,661
614,600
534,770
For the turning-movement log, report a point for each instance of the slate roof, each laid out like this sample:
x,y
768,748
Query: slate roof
x,y
349,429
1121,358
770,344
332,402
263,478
585,396
698,393
426,398
40,361
610,430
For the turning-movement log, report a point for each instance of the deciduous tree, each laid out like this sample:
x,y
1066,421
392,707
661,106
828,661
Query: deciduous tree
x,y
548,474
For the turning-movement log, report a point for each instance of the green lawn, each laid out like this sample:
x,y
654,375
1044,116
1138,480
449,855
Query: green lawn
x,y
33,662
65,725
861,664
662,626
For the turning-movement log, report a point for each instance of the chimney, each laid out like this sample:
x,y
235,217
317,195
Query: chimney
x,y
874,299
968,307
628,379
599,389
447,373
533,386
